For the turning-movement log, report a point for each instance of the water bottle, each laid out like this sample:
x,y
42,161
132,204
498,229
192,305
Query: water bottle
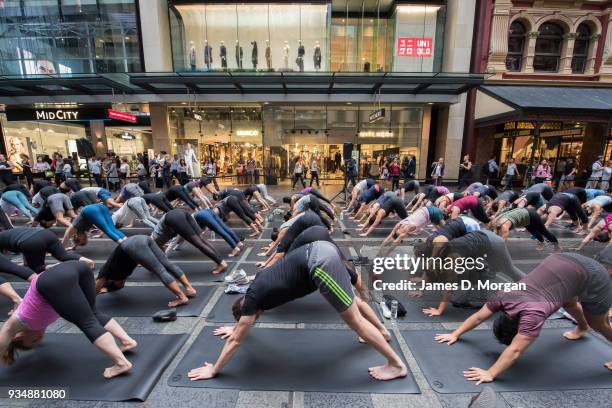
x,y
212,235
394,306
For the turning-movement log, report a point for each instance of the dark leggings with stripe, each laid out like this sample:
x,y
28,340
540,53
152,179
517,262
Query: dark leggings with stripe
x,y
69,288
178,192
480,213
316,206
184,225
208,219
537,228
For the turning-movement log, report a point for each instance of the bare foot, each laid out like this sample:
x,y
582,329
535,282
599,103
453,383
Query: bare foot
x,y
254,234
235,252
261,254
575,334
385,333
388,372
117,369
365,234
190,292
608,365
128,345
178,302
220,268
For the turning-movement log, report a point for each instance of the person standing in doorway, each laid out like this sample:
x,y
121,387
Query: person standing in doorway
x,y
210,169
465,172
26,166
314,171
250,170
493,170
569,175
543,172
511,172
298,173
394,174
58,167
606,175
95,169
437,174
596,173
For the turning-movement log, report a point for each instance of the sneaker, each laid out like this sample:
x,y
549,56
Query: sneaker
x,y
385,310
238,277
236,290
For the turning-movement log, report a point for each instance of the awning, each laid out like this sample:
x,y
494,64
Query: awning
x,y
240,83
497,104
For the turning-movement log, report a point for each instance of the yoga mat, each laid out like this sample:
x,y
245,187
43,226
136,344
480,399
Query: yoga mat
x,y
196,272
377,233
551,363
293,360
143,301
310,309
71,361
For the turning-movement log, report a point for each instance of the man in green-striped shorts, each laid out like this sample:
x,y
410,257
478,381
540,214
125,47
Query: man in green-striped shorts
x,y
315,266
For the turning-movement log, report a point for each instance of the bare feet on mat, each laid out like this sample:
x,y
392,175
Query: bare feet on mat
x,y
575,334
220,268
235,252
608,365
388,372
128,345
178,302
190,292
117,369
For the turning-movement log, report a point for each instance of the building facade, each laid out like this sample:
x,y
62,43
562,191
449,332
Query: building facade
x,y
273,80
549,91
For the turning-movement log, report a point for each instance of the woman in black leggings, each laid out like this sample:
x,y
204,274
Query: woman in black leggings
x,y
178,193
180,222
231,204
66,290
141,249
301,224
34,244
569,203
392,205
159,201
242,200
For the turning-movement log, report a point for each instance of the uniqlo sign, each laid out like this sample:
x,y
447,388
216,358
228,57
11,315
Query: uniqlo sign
x,y
414,47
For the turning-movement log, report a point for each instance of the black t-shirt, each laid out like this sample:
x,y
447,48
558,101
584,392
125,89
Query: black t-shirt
x,y
118,266
569,166
451,230
11,239
578,192
40,184
231,192
311,234
45,214
287,280
73,185
309,219
560,200
48,191
473,244
248,192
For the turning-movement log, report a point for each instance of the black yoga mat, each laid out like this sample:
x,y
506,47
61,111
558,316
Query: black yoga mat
x,y
142,301
310,309
293,360
378,233
71,361
551,362
195,271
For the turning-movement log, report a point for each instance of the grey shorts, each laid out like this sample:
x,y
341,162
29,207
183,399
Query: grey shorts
x,y
330,275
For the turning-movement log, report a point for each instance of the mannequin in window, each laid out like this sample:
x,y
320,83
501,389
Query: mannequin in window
x,y
317,56
208,58
254,54
300,57
191,160
286,52
238,55
192,56
223,56
366,65
268,55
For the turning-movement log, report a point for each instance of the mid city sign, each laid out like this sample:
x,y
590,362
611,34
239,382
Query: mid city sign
x,y
75,114
58,114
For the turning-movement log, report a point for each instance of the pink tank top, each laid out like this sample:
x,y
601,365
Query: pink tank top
x,y
466,203
34,310
608,221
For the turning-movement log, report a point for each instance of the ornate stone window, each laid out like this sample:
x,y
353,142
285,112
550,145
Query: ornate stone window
x,y
548,48
581,49
516,46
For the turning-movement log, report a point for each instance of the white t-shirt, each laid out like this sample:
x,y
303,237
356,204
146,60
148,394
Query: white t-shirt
x,y
511,171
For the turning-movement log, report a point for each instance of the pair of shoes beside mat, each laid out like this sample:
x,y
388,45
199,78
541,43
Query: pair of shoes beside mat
x,y
238,277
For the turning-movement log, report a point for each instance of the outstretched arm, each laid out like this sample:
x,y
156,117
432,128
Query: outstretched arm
x,y
233,343
469,324
70,231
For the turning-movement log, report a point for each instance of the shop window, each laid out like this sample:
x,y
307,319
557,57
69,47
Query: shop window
x,y
581,49
516,46
548,48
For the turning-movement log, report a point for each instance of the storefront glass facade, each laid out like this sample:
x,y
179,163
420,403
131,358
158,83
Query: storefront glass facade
x,y
275,134
69,37
306,37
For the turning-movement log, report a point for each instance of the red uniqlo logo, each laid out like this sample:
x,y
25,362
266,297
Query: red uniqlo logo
x,y
414,47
